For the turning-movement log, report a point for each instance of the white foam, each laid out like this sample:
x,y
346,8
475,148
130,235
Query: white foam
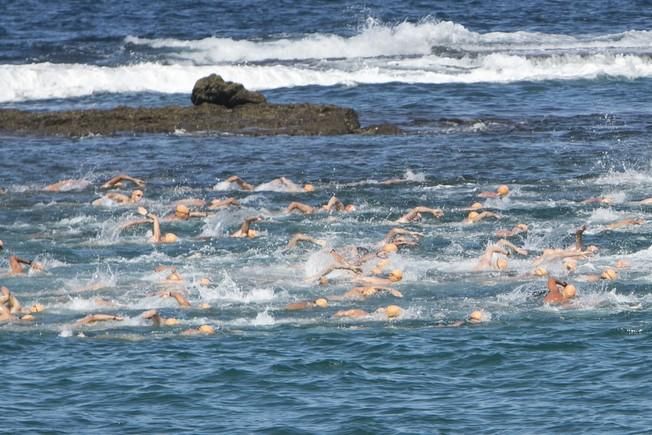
x,y
377,39
47,80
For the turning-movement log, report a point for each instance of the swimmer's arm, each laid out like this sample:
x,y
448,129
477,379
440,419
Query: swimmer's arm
x,y
240,182
436,212
400,231
391,291
123,177
134,223
507,244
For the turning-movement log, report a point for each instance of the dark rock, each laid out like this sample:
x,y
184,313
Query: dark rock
x,y
380,129
249,119
214,90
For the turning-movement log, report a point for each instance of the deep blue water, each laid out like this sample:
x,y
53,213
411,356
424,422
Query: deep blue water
x,y
552,98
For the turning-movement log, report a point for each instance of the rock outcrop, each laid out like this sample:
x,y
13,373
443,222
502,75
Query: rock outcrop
x,y
214,90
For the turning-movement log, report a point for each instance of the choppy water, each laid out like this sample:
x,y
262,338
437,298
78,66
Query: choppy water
x,y
552,99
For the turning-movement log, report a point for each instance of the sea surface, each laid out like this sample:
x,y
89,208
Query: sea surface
x,y
552,98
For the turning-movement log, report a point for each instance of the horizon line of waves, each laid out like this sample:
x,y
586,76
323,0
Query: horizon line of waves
x,y
48,80
375,39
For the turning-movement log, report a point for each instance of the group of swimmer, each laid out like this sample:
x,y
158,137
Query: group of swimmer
x,y
368,270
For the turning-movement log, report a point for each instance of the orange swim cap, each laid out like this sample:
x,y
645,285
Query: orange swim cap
x,y
390,247
569,291
396,275
169,238
393,311
476,316
473,216
182,211
609,274
502,190
321,303
206,329
501,263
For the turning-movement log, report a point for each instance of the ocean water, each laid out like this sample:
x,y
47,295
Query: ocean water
x,y
552,98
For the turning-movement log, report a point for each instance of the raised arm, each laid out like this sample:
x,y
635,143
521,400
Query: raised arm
x,y
120,178
240,182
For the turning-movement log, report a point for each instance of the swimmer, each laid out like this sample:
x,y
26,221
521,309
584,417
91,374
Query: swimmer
x,y
501,192
559,292
16,265
518,229
607,274
393,277
474,216
93,318
607,200
511,247
646,201
117,181
234,179
183,213
625,223
222,203
10,301
201,330
304,305
180,298
390,311
361,293
245,230
156,229
286,185
157,320
299,237
492,258
399,233
477,316
119,198
67,185
416,213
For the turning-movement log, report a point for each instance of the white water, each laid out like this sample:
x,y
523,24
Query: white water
x,y
406,53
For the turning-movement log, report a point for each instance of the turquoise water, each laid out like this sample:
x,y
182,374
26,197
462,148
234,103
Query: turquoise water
x,y
553,102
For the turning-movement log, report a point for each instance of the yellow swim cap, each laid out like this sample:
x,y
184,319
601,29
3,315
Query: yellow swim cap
x,y
321,303
393,311
174,276
170,322
476,316
609,274
540,271
396,275
501,263
476,206
390,247
502,190
206,329
473,216
569,291
169,238
182,211
570,264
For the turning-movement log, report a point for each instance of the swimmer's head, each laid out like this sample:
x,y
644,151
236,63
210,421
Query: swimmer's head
x,y
170,322
569,291
570,264
622,264
476,206
36,266
503,190
136,195
522,227
390,247
501,263
609,274
323,281
395,275
540,271
36,308
349,208
393,311
592,249
174,277
204,282
206,329
181,211
169,238
368,291
205,306
321,303
308,187
252,233
477,316
473,216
